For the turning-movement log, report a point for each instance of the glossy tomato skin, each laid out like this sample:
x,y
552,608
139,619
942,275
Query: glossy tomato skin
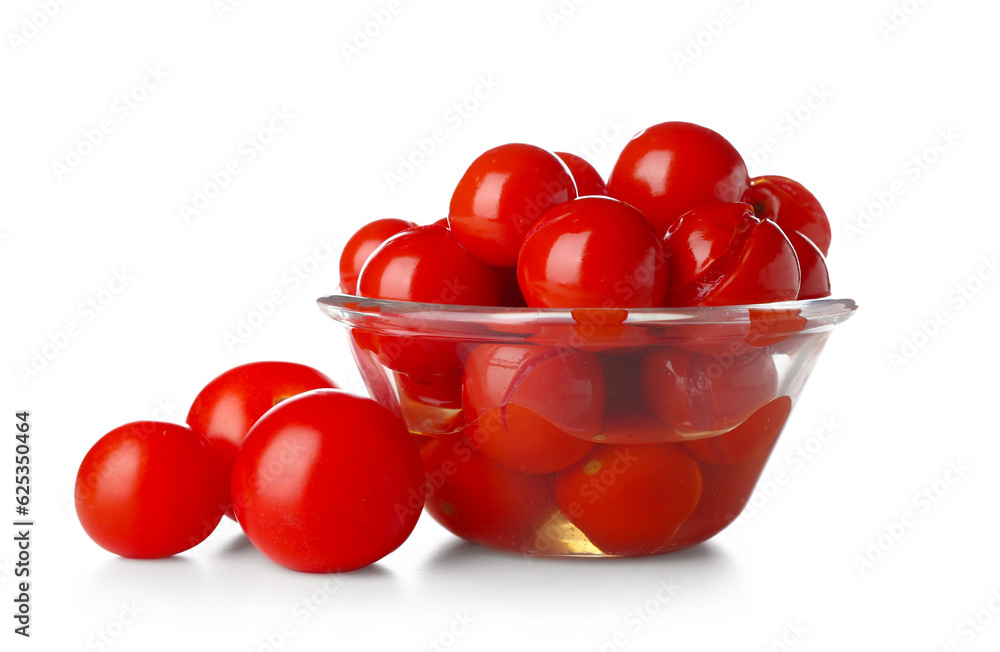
x,y
424,264
723,254
228,406
815,276
326,481
532,408
698,393
630,500
481,501
673,167
361,245
593,252
588,180
500,197
148,490
791,206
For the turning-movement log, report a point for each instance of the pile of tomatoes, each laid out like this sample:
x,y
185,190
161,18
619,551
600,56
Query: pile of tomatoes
x,y
317,478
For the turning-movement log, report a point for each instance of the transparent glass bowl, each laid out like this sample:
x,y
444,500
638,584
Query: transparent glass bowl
x,y
600,432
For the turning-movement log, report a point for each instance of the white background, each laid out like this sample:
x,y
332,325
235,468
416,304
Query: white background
x,y
786,577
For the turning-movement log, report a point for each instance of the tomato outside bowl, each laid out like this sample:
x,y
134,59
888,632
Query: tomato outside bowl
x,y
588,432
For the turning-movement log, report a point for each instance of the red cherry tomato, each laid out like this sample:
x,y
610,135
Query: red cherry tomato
x,y
361,245
424,264
695,393
501,196
670,168
726,490
791,206
226,409
531,408
147,490
630,500
588,180
480,501
593,252
432,404
815,277
747,440
328,479
722,254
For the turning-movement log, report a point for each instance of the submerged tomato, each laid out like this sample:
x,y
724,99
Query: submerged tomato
x,y
531,408
327,478
500,197
147,490
791,206
630,500
722,254
226,409
697,393
747,440
593,252
361,245
673,167
481,501
588,180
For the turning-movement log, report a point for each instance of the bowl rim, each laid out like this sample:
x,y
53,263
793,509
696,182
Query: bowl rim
x,y
433,318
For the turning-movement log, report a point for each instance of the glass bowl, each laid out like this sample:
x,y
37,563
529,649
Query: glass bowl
x,y
597,431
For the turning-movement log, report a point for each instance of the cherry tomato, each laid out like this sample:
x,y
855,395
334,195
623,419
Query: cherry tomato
x,y
815,277
722,254
424,264
480,501
148,490
588,180
531,408
670,168
696,393
726,490
630,500
747,440
794,208
593,252
328,479
226,409
501,196
432,404
361,245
